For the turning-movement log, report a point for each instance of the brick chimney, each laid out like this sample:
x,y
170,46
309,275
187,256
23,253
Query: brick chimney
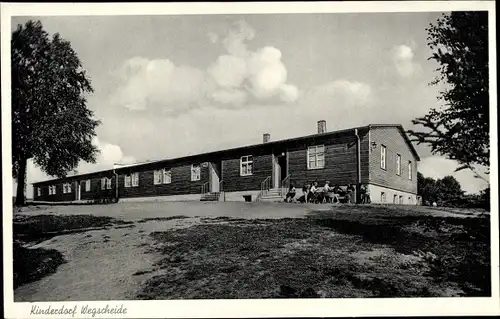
x,y
266,137
321,127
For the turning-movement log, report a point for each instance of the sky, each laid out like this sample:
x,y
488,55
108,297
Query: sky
x,y
168,86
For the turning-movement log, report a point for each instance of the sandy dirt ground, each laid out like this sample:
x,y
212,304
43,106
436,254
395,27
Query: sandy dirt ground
x,y
101,264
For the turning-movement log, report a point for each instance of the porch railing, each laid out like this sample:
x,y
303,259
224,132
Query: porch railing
x,y
265,186
285,184
205,188
221,190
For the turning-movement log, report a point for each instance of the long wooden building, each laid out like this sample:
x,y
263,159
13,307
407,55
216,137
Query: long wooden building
x,y
379,156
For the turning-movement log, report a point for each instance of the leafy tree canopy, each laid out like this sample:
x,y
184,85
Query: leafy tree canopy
x,y
460,129
51,123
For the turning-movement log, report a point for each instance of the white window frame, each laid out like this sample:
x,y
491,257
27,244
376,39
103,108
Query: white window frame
x,y
67,188
195,176
317,157
410,170
108,182
52,190
398,164
246,161
383,157
167,176
135,179
128,180
39,191
87,185
103,183
157,177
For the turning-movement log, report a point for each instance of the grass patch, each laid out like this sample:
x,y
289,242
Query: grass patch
x,y
357,252
37,228
33,264
162,218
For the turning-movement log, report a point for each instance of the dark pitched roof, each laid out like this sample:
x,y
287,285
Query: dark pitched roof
x,y
252,146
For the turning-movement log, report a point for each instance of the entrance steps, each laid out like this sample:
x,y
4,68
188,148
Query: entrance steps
x,y
272,195
210,197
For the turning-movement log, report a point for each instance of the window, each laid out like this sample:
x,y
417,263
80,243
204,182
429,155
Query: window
x,y
157,178
108,183
52,190
400,199
167,176
395,200
195,172
39,191
410,201
410,173
66,188
383,152
135,179
398,164
246,165
87,185
103,183
128,180
316,157
382,197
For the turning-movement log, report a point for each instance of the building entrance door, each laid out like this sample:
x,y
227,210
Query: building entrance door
x,y
215,176
279,169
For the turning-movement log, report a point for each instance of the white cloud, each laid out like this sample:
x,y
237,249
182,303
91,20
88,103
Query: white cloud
x,y
439,167
402,56
157,83
160,84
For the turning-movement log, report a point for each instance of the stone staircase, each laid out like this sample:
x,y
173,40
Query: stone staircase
x,y
272,195
210,197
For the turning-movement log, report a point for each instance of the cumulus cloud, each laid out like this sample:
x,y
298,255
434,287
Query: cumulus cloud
x,y
402,56
228,81
157,82
439,167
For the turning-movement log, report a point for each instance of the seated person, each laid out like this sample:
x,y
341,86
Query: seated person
x,y
337,192
313,192
291,194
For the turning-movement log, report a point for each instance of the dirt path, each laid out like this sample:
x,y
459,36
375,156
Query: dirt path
x,y
100,264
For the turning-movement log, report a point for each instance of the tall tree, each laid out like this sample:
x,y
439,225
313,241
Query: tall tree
x,y
51,123
460,129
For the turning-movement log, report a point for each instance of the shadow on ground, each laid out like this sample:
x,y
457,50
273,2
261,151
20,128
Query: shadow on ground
x,y
370,252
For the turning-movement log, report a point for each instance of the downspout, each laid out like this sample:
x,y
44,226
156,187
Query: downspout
x,y
358,160
116,182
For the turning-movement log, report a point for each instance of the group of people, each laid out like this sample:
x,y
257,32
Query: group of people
x,y
328,194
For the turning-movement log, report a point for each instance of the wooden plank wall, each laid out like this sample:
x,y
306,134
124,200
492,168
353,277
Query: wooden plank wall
x,y
340,161
395,144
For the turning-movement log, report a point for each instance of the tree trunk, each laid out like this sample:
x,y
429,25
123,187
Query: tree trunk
x,y
21,182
